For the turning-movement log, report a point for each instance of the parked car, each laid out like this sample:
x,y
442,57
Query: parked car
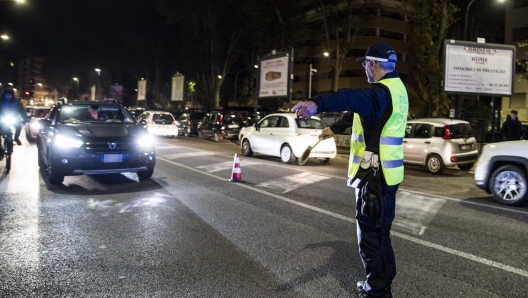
x,y
188,122
136,112
32,125
286,136
160,123
220,124
502,170
93,137
438,143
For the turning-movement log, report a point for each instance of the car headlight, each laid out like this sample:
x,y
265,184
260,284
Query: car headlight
x,y
35,125
67,142
9,120
146,140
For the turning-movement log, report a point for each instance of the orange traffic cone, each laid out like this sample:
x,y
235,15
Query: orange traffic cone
x,y
236,175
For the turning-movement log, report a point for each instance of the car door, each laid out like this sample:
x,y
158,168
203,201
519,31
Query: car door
x,y
264,140
45,133
416,142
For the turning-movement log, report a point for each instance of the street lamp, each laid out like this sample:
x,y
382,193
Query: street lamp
x,y
98,81
326,54
310,85
4,36
467,12
77,80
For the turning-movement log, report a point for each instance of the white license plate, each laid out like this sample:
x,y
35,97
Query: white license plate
x,y
112,158
465,147
233,126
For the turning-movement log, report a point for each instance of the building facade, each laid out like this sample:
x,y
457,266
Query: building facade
x,y
32,84
388,26
516,34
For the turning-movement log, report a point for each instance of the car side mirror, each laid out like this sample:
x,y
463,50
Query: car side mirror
x,y
257,126
142,122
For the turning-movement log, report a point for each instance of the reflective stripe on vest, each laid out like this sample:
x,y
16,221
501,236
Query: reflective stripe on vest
x,y
391,139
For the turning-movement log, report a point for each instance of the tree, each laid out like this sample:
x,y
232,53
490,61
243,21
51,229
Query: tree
x,y
211,31
343,20
429,22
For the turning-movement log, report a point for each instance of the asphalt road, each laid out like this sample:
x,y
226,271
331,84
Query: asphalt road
x,y
285,231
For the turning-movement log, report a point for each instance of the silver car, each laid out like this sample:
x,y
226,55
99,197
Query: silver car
x,y
438,143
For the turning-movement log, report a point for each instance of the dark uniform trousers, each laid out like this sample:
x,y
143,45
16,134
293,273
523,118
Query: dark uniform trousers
x,y
375,246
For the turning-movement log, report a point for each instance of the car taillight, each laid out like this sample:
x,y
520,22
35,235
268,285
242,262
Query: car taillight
x,y
447,133
188,122
221,119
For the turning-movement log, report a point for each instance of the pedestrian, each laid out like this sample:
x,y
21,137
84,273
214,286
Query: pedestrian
x,y
512,128
10,104
378,116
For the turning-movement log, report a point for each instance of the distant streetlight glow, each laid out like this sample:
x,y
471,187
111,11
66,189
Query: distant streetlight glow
x,y
4,36
98,83
20,1
326,54
219,76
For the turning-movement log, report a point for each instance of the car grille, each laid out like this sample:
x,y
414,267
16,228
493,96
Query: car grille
x,y
93,147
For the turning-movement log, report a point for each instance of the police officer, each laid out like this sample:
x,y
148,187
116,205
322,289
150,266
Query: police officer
x,y
10,104
378,115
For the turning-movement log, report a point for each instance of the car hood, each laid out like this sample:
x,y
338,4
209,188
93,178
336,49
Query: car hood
x,y
90,130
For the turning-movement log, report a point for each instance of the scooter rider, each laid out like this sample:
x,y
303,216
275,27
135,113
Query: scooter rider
x,y
9,104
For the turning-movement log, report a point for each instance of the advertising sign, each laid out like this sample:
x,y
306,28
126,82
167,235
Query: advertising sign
x,y
177,87
116,92
274,77
478,68
142,89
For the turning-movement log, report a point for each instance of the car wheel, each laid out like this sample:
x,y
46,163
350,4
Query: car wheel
x,y
200,134
187,131
287,154
466,167
53,176
145,174
508,185
435,164
216,137
325,161
246,148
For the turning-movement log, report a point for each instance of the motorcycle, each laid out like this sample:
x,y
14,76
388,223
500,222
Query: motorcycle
x,y
7,123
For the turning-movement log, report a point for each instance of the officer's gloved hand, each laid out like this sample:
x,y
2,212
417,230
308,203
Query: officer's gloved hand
x,y
370,195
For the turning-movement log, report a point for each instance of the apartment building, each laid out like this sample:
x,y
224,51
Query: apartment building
x,y
388,26
516,34
32,83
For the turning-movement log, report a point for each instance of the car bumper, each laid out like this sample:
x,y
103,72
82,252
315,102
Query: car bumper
x,y
100,163
470,157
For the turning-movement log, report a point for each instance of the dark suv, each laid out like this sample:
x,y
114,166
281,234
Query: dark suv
x,y
220,124
188,123
93,137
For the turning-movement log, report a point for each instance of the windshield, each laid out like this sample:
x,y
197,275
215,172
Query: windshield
x,y
94,114
309,123
460,131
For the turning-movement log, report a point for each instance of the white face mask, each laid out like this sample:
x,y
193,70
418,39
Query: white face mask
x,y
370,75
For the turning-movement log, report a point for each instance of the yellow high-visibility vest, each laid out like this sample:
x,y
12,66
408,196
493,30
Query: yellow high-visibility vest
x,y
391,139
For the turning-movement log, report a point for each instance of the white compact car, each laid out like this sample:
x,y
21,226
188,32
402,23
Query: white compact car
x,y
32,125
286,136
160,123
502,171
438,143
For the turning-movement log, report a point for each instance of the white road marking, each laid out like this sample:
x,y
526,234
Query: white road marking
x,y
228,165
187,154
414,212
352,220
289,183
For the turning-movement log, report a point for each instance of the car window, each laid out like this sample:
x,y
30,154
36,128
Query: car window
x,y
183,117
197,116
39,112
143,115
269,121
94,114
309,123
461,130
232,116
408,130
283,122
162,118
422,131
